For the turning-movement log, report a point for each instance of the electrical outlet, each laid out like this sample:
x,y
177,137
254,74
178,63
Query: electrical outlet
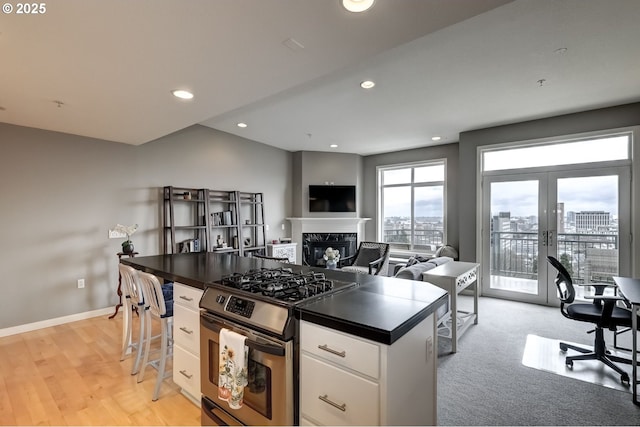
x,y
282,226
267,227
80,283
113,234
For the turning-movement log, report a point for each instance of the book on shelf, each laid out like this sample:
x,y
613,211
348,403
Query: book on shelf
x,y
221,218
190,245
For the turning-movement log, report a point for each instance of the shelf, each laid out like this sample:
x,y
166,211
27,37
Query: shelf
x,y
209,215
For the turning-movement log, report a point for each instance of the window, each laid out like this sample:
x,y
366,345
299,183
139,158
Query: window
x,y
411,206
563,153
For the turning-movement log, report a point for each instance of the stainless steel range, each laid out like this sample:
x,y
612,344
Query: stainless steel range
x,y
258,304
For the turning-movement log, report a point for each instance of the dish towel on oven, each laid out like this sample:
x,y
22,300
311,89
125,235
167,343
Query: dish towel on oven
x,y
233,368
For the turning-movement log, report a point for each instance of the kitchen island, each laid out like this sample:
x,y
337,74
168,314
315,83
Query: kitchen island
x,y
378,337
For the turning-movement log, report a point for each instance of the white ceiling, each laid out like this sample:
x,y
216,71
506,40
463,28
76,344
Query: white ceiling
x,y
440,66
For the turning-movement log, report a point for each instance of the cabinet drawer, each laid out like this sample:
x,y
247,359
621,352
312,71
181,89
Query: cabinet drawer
x,y
187,296
186,328
333,396
341,349
186,371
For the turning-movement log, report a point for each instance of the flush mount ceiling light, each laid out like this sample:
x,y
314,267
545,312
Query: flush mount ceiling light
x,y
436,138
367,84
242,125
182,94
357,6
334,146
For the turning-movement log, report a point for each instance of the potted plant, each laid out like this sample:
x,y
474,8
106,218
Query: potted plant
x,y
127,245
331,257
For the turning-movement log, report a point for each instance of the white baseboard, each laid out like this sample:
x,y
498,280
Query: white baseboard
x,y
53,322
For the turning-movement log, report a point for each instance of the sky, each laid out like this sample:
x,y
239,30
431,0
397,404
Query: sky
x,y
599,193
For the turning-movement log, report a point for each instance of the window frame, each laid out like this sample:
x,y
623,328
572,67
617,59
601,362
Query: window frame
x,y
413,185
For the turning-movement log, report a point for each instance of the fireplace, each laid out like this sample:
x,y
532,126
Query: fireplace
x,y
314,245
325,225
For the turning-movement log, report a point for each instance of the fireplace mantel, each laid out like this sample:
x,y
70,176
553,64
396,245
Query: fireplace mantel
x,y
324,225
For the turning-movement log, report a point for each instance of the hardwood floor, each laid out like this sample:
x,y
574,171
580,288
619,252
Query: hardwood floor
x,y
71,374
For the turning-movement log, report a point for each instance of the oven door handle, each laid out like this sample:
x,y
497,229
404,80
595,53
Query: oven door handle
x,y
264,348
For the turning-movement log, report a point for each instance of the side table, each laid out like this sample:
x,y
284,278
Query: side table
x,y
283,250
120,255
454,277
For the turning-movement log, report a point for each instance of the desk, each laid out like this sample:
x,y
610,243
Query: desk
x,y
630,290
454,277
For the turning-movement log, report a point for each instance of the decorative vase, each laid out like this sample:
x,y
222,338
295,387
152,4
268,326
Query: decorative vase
x,y
127,247
331,264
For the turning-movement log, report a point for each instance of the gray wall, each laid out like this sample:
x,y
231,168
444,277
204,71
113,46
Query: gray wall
x,y
448,152
589,121
61,193
318,168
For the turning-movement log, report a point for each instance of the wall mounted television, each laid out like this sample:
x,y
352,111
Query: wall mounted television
x,y
332,198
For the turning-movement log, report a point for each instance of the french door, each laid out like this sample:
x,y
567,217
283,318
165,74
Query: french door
x,y
580,216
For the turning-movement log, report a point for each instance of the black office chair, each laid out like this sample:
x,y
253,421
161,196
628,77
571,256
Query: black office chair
x,y
603,312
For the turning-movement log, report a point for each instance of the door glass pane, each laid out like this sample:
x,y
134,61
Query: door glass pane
x,y
397,216
514,236
429,215
588,229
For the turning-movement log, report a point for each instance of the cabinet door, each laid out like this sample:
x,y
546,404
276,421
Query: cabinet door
x,y
186,371
187,296
186,328
341,349
333,396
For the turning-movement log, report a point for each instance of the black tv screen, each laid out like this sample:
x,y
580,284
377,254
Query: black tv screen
x,y
332,198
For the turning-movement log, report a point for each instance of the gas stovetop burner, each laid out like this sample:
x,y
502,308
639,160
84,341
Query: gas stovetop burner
x,y
280,283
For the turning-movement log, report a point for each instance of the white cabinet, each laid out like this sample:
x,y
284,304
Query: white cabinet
x,y
186,340
347,380
283,250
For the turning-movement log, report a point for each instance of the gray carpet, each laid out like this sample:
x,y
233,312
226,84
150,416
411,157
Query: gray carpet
x,y
485,382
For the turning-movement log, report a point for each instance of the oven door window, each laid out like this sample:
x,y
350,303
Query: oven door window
x,y
258,392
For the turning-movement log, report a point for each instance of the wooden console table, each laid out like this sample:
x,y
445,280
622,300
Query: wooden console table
x,y
120,255
454,277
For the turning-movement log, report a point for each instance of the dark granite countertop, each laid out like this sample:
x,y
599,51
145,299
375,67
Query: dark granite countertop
x,y
381,309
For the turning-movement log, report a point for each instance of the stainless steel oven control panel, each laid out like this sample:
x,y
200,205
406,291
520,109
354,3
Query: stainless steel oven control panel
x,y
240,306
255,312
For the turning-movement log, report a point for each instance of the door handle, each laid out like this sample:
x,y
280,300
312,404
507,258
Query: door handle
x,y
550,239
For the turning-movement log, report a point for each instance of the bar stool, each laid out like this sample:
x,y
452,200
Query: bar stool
x,y
158,305
132,301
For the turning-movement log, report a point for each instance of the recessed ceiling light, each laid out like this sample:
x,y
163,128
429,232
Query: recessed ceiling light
x,y
436,138
242,125
182,94
367,84
560,50
357,5
334,146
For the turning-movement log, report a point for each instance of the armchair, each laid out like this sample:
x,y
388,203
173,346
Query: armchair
x,y
371,258
603,312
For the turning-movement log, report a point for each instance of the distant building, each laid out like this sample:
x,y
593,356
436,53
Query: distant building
x,y
560,216
592,221
502,222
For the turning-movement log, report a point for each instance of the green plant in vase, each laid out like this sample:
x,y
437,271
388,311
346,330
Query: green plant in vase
x,y
127,245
